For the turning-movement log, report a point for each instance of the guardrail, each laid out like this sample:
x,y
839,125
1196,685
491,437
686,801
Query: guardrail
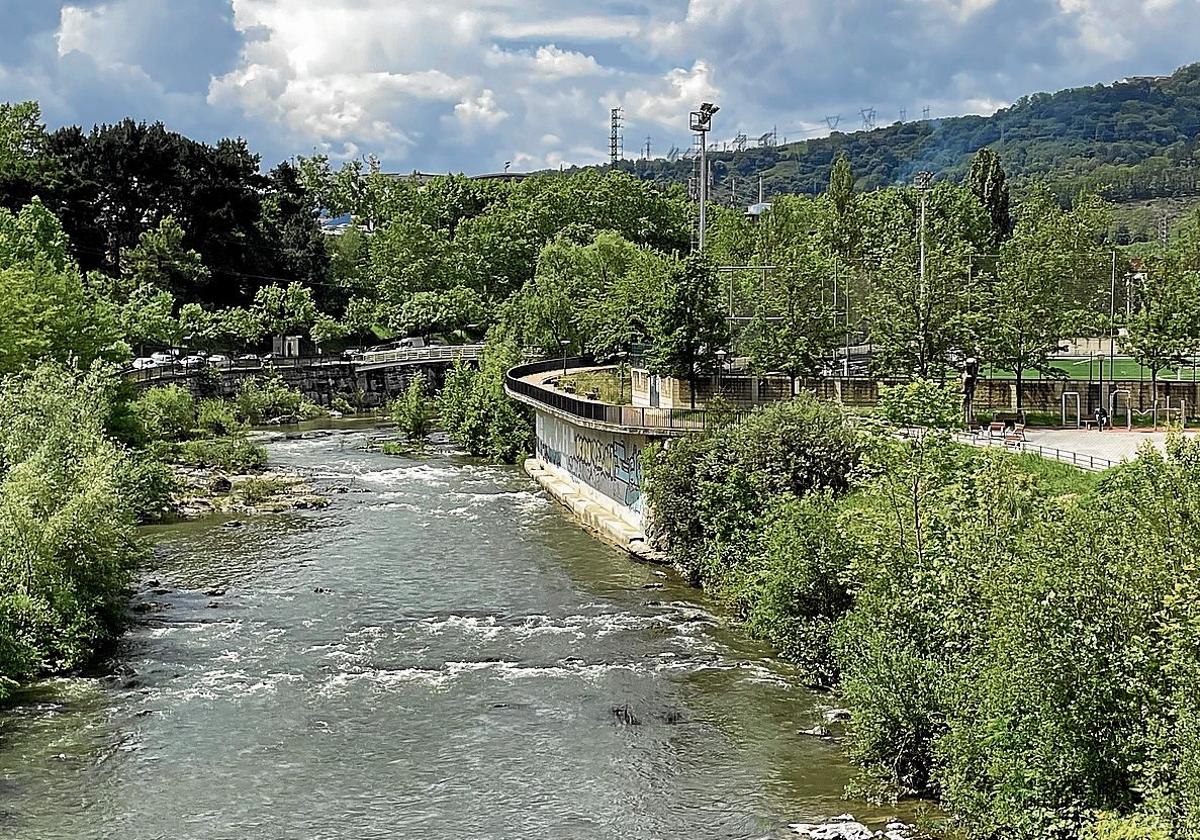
x,y
638,418
1082,460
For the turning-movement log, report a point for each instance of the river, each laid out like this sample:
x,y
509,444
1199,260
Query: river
x,y
441,653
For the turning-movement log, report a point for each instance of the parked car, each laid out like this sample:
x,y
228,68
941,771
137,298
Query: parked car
x,y
190,362
249,359
162,358
219,360
144,363
414,342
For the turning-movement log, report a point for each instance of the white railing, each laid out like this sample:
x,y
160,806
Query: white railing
x,y
414,355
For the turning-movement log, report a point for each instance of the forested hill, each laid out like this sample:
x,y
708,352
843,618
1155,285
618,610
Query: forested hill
x,y
1135,139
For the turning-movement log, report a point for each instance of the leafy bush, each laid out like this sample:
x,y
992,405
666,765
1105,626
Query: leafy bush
x,y
710,496
256,490
794,589
232,454
167,412
1137,827
477,413
342,405
412,411
147,484
266,397
67,537
217,418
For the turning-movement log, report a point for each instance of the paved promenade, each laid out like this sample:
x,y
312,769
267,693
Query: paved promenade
x,y
1113,444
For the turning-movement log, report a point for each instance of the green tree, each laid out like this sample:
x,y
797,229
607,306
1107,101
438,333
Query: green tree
x,y
161,260
26,163
49,313
845,228
1027,306
285,310
689,327
987,183
916,324
411,411
1165,328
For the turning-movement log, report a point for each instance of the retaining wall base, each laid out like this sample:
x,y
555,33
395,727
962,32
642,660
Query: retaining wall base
x,y
593,510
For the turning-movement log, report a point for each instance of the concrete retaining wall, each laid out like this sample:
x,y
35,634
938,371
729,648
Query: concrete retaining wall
x,y
609,463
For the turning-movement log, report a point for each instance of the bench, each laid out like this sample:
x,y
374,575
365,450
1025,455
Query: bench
x,y
995,429
1089,424
1016,437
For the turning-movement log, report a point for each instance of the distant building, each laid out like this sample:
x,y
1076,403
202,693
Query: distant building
x,y
754,211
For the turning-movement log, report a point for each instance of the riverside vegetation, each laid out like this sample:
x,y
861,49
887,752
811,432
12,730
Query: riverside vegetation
x,y
83,461
1014,638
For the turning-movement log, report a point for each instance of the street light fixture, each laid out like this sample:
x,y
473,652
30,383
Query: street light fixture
x,y
701,123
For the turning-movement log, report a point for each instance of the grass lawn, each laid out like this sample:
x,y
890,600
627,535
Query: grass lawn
x,y
611,389
1126,369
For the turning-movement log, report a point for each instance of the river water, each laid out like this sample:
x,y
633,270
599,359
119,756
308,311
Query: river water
x,y
441,653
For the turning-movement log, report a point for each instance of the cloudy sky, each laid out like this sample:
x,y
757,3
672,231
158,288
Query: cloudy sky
x,y
441,85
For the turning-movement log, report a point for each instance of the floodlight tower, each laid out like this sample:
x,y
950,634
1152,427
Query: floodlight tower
x,y
922,182
701,123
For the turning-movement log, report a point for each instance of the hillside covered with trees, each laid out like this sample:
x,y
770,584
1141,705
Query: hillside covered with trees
x,y
1132,140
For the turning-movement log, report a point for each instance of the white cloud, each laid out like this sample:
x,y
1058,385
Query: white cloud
x,y
468,84
677,94
481,110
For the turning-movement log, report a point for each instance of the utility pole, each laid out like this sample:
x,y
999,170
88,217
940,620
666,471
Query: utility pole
x,y
923,181
701,123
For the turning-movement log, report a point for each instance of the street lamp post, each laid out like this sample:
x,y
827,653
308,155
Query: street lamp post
x,y
621,377
564,343
922,183
721,354
701,123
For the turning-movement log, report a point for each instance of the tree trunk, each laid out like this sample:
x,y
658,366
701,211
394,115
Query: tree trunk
x,y
1020,397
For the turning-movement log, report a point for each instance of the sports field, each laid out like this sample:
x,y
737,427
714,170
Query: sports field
x,y
1089,369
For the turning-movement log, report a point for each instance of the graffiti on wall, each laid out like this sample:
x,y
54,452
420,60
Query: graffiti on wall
x,y
614,467
610,463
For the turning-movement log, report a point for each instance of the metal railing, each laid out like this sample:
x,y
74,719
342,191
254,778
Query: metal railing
x,y
414,355
640,418
380,358
1082,460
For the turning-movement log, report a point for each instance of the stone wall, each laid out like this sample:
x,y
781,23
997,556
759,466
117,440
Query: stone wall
x,y
320,383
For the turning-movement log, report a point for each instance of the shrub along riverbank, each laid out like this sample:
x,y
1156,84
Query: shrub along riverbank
x,y
1016,639
83,462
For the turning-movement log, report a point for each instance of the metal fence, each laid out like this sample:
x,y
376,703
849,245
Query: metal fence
x,y
1084,461
639,418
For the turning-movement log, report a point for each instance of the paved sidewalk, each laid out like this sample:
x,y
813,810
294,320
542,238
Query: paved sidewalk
x,y
1113,444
